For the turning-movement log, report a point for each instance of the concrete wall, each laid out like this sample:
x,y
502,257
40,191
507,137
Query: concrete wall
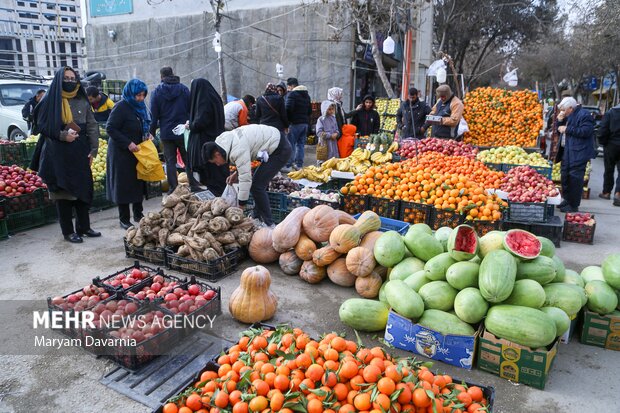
x,y
298,40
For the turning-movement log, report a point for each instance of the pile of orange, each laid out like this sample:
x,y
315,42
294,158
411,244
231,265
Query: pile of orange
x,y
446,182
286,371
499,117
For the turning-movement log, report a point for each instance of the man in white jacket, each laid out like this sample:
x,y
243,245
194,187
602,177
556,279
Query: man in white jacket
x,y
240,147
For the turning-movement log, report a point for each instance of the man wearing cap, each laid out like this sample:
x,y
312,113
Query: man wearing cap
x,y
576,148
412,108
450,108
298,109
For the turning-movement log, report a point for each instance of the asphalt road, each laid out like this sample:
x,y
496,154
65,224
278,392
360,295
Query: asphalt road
x,y
39,263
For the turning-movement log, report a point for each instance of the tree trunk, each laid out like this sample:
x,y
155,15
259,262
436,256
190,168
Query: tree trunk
x,y
220,65
376,55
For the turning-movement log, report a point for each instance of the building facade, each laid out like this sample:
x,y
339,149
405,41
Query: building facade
x,y
38,36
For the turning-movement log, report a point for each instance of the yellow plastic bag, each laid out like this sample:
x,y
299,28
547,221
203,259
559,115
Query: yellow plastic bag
x,y
149,166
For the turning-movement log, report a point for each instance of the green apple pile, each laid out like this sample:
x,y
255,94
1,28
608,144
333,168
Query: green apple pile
x,y
513,155
556,174
98,166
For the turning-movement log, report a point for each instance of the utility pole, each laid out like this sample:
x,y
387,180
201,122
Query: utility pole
x,y
218,6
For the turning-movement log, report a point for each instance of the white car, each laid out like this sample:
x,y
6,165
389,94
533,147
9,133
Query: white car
x,y
14,94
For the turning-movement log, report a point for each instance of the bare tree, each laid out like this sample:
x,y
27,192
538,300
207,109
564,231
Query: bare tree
x,y
218,7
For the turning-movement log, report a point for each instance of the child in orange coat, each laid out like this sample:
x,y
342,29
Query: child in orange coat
x,y
347,140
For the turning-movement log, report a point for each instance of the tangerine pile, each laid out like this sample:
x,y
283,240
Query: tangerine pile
x,y
286,371
499,117
454,183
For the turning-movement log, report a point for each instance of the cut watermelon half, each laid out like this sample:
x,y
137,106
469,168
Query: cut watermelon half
x,y
463,243
522,244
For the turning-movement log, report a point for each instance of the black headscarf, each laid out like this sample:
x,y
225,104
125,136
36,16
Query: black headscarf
x,y
206,108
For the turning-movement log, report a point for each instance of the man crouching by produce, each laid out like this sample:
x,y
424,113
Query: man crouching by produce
x,y
242,146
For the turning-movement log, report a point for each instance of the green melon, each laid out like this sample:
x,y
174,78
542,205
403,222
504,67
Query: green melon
x,y
438,295
405,268
527,293
547,247
497,275
573,277
611,270
592,273
564,296
422,245
437,266
422,227
463,274
363,314
470,306
389,249
561,319
463,243
403,299
445,323
522,244
560,269
416,280
382,296
522,325
491,241
601,297
541,269
442,234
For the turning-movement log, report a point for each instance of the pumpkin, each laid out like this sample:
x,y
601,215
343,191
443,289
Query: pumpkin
x,y
360,261
305,248
261,247
252,301
369,240
286,233
339,275
344,238
381,272
368,287
312,273
290,263
325,256
344,218
367,222
319,223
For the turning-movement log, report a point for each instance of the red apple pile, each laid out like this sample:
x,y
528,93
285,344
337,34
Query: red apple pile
x,y
142,327
448,147
583,218
159,287
127,279
108,313
182,301
89,297
524,184
16,181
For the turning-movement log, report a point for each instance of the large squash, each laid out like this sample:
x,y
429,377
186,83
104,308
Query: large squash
x,y
339,275
367,222
344,218
305,247
360,261
368,241
319,223
261,247
344,238
368,287
312,273
286,233
252,301
290,263
325,256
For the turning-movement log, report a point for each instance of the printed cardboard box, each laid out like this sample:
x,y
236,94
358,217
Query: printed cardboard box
x,y
515,362
404,334
601,331
574,321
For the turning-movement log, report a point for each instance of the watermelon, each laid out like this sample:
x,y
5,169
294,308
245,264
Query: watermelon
x,y
422,245
547,247
405,268
421,227
522,244
572,277
592,273
527,293
526,326
560,269
463,243
562,321
442,234
564,296
470,306
611,270
417,280
389,249
497,275
541,269
363,314
437,266
438,295
491,241
463,274
403,299
445,323
382,296
601,297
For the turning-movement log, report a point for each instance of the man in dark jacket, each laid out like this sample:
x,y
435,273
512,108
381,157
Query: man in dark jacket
x,y
170,108
609,137
412,108
366,119
298,110
575,150
30,105
102,105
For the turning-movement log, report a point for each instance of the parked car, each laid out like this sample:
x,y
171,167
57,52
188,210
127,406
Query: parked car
x,y
13,96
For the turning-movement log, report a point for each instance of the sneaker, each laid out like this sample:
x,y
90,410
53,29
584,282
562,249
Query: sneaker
x,y
604,195
285,170
617,201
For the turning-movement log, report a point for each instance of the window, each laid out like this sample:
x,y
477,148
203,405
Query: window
x,y
63,54
63,8
50,6
75,62
74,48
21,3
74,19
64,19
6,59
30,49
23,26
72,9
65,30
36,27
33,5
18,94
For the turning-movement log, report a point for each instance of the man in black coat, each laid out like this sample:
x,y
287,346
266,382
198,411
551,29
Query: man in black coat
x,y
609,137
170,108
412,108
298,109
30,105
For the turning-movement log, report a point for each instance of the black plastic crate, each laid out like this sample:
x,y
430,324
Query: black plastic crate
x,y
21,221
494,166
150,272
484,227
545,171
581,233
292,203
2,210
100,200
415,213
384,207
334,184
153,255
354,203
4,231
552,229
13,153
210,270
153,189
508,225
13,204
528,211
445,218
278,215
333,204
361,143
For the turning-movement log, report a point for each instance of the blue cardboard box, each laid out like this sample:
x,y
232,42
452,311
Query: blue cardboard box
x,y
404,334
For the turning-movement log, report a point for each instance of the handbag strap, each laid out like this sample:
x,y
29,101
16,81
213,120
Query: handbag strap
x,y
269,104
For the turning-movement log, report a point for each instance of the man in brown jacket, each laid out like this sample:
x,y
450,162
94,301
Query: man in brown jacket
x,y
450,108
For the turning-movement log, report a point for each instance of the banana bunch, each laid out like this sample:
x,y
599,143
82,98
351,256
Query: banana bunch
x,y
360,154
379,157
393,147
331,163
312,173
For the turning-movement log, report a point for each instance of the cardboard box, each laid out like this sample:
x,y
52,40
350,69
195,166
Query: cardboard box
x,y
404,334
601,331
515,362
565,338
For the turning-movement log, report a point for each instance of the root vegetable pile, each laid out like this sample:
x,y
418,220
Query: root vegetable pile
x,y
524,184
287,371
283,184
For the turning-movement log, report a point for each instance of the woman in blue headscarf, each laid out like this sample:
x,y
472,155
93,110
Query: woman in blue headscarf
x,y
128,125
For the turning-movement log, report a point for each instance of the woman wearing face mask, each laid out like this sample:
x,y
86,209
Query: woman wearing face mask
x,y
128,126
68,144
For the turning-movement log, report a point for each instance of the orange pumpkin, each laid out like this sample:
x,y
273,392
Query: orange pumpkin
x,y
368,287
312,273
360,261
252,301
319,223
325,256
261,247
305,248
339,275
344,238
